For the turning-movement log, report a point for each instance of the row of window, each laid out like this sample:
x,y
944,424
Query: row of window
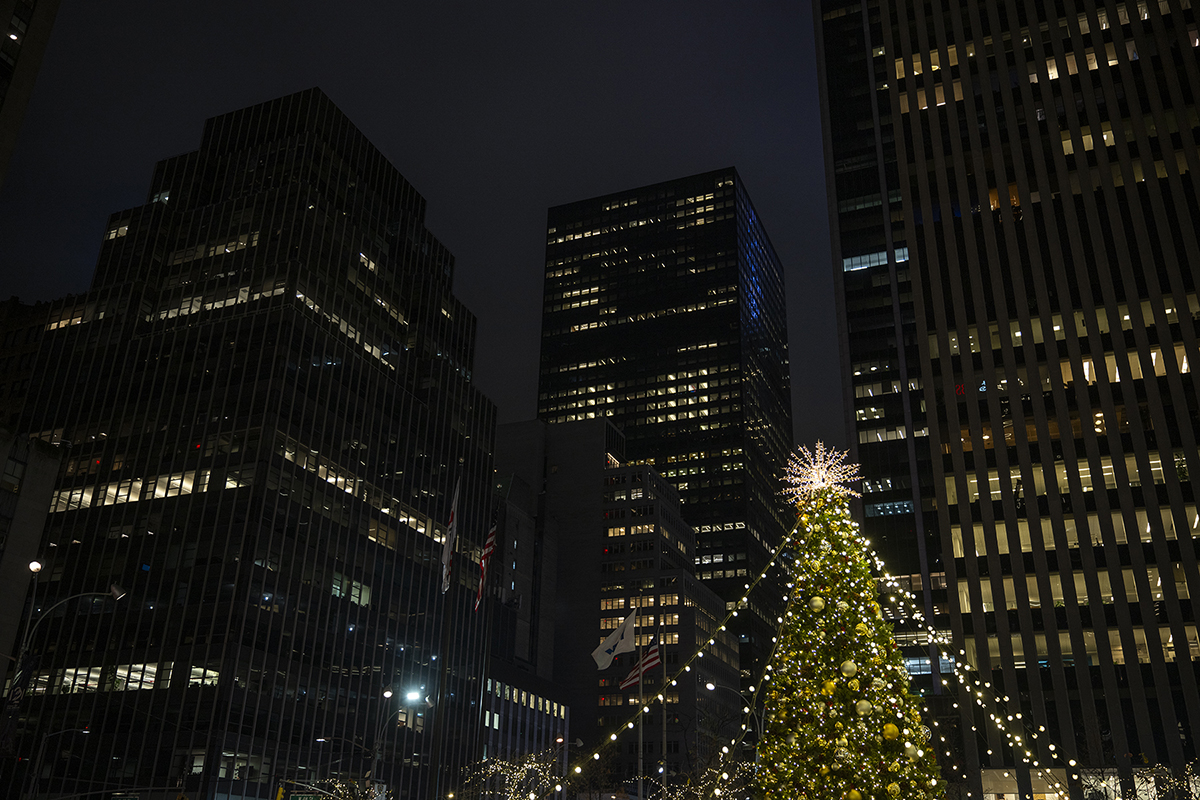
x,y
993,596
1145,642
1074,529
1037,483
121,678
132,490
521,697
1054,328
933,59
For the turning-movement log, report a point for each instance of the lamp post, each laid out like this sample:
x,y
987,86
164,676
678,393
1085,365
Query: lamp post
x,y
747,708
114,591
412,697
37,762
22,679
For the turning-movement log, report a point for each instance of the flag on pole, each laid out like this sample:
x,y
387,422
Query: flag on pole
x,y
451,536
649,660
489,547
619,641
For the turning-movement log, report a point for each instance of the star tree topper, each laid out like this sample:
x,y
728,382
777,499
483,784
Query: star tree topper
x,y
811,473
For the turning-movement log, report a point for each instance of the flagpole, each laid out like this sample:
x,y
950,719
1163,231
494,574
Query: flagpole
x,y
439,711
662,643
641,697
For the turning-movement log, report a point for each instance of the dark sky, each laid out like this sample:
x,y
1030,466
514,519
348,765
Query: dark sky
x,y
494,111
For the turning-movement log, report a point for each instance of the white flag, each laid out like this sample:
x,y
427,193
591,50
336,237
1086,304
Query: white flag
x,y
619,641
451,535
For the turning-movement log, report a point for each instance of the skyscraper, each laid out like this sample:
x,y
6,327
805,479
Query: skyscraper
x,y
664,312
266,395
1015,241
622,548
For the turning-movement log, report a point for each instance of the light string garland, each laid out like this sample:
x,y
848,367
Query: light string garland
x,y
823,473
726,750
530,776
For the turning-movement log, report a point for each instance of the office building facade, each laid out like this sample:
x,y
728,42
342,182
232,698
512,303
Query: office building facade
x,y
622,546
525,711
1014,189
267,400
26,485
664,312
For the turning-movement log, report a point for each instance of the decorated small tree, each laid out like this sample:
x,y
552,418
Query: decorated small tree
x,y
840,722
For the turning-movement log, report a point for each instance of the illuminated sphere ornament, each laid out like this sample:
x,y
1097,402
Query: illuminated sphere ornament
x,y
842,605
817,603
863,707
849,668
862,630
893,789
853,794
891,732
828,687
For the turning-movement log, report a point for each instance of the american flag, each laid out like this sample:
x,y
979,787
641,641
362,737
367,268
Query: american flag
x,y
489,547
649,660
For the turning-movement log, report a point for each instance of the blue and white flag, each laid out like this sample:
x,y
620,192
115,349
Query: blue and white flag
x,y
619,641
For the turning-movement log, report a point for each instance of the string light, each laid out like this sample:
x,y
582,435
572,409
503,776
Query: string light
x,y
823,473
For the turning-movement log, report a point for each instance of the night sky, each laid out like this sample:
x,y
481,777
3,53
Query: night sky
x,y
494,111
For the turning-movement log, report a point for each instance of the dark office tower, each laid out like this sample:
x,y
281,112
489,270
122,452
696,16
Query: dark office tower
x,y
267,398
1015,243
622,546
26,34
664,311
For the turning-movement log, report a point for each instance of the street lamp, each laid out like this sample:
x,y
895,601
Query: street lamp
x,y
411,696
21,678
747,708
37,762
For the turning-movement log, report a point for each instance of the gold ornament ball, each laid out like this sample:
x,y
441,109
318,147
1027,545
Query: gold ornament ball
x,y
910,750
853,794
853,684
890,732
862,630
817,603
863,707
828,687
842,605
893,789
849,668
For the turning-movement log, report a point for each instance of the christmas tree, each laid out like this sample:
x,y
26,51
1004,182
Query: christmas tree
x,y
840,722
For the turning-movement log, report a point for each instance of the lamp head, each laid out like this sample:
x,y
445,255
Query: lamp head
x,y
35,567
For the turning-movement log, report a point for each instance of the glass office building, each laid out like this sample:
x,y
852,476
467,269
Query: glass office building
x,y
1015,238
266,401
664,311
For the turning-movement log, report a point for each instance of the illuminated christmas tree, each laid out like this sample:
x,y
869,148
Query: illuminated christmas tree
x,y
840,722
